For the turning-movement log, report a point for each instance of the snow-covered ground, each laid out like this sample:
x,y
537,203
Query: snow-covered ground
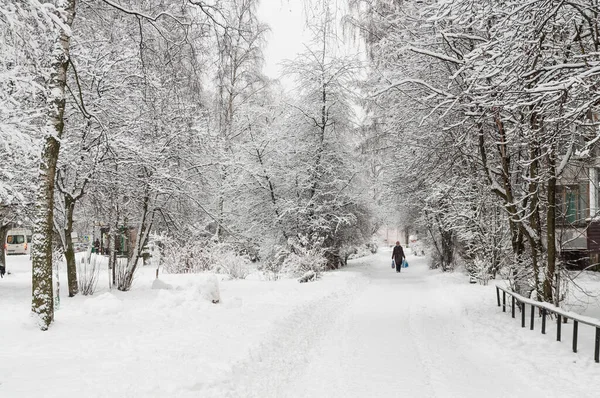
x,y
364,331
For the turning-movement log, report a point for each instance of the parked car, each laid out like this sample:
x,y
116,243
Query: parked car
x,y
18,241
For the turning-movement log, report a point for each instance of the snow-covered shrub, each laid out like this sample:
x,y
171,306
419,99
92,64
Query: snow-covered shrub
x,y
479,269
272,259
361,251
303,261
417,247
196,256
87,274
347,252
223,258
237,267
308,276
521,278
373,247
124,278
182,258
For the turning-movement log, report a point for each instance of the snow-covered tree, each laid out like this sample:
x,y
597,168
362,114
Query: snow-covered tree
x,y
504,86
22,29
322,174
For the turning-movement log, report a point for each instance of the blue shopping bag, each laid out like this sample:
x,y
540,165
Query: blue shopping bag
x,y
404,264
393,264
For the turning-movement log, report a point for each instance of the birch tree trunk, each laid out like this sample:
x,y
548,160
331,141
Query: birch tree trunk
x,y
42,303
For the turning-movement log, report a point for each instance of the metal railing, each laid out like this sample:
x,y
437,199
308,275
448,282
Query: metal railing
x,y
545,309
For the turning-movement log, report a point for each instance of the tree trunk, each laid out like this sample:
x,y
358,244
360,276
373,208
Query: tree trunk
x,y
3,231
551,232
69,251
112,259
42,303
447,238
534,216
140,241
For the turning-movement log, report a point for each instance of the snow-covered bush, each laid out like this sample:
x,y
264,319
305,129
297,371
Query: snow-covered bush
x,y
303,261
346,252
182,258
237,267
521,279
417,247
272,259
87,274
308,276
373,247
196,256
124,278
479,269
361,251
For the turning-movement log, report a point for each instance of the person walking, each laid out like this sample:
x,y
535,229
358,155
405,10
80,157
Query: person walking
x,y
398,256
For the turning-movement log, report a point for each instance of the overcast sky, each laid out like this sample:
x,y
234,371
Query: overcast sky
x,y
288,34
286,19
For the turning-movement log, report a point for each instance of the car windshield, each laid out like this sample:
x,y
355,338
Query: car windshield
x,y
15,239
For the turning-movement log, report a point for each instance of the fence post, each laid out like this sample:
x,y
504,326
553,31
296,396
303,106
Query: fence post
x,y
543,321
532,316
522,314
513,306
498,295
503,301
575,328
597,346
558,326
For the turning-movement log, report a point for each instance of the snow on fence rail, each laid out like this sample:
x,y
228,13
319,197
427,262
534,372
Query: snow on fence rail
x,y
549,308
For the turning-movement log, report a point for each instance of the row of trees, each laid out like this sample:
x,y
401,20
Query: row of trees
x,y
156,115
485,105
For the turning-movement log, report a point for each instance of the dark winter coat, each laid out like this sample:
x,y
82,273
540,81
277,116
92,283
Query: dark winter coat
x,y
398,253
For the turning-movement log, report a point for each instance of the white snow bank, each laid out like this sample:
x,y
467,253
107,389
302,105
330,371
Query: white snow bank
x,y
209,289
362,331
158,284
103,304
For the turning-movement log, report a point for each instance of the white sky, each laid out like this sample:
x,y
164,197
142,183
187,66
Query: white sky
x,y
286,19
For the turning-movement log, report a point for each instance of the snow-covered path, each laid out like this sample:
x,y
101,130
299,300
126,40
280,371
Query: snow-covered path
x,y
362,331
409,335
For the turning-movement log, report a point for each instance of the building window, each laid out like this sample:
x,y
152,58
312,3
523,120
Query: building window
x,y
572,203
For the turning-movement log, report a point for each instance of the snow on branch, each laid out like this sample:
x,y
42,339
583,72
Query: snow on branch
x,y
432,54
551,68
145,16
566,83
465,36
54,14
565,160
413,81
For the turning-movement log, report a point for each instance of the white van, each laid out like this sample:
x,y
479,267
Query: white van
x,y
18,241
